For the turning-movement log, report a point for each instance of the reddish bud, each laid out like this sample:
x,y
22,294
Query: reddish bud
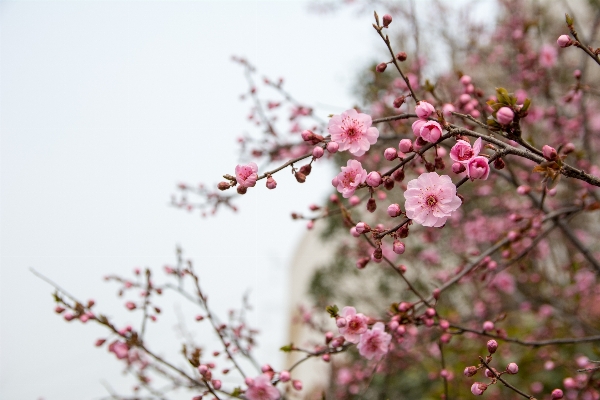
x,y
499,163
216,384
568,148
470,371
478,388
99,342
305,169
492,346
326,357
242,189
300,177
398,101
401,56
378,253
271,183
488,325
398,175
387,20
362,227
371,205
381,67
340,322
59,309
362,263
398,247
388,183
223,185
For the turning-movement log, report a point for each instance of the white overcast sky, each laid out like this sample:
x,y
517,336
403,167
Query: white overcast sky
x,y
104,107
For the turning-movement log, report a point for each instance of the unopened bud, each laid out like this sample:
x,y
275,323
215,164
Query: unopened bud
x,y
224,185
550,153
388,183
362,263
306,169
557,394
300,177
568,148
405,146
284,376
340,322
332,147
398,247
387,20
492,346
318,152
271,183
216,384
394,210
373,178
378,253
297,384
439,163
390,154
371,205
326,357
512,368
470,371
398,175
401,56
362,227
488,325
499,163
381,67
403,232
478,388
398,101
242,189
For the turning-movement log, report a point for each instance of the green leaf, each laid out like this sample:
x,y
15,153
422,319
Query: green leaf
x,y
526,105
287,348
332,311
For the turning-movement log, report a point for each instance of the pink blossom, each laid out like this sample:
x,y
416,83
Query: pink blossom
x,y
512,368
478,388
417,125
373,179
548,56
564,41
462,151
505,116
448,109
478,168
405,146
390,154
393,210
353,131
246,175
352,175
431,199
424,109
374,343
262,389
119,348
356,324
431,131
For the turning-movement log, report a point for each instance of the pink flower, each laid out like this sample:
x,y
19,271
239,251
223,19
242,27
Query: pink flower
x,y
262,389
431,199
431,131
374,343
352,175
424,109
417,125
478,168
462,152
405,146
119,348
356,324
353,131
478,388
373,179
246,175
548,56
505,116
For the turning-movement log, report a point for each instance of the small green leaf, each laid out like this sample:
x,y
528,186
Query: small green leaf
x,y
526,105
287,348
332,311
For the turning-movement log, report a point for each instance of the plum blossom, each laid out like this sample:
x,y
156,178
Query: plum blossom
x,y
462,152
246,175
375,342
478,168
119,348
431,131
548,56
352,175
262,389
424,109
353,132
431,199
356,324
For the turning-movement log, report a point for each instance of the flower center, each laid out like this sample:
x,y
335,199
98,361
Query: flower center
x,y
353,325
431,200
465,154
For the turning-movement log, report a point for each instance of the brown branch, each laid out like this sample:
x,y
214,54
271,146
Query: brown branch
x,y
508,385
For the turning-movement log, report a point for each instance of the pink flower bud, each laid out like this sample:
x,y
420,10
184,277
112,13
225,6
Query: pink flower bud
x,y
457,168
564,41
326,357
549,153
393,210
505,115
401,56
568,148
488,325
318,152
405,146
489,373
59,309
354,200
444,324
398,247
492,346
512,368
478,168
332,147
387,20
340,322
523,190
130,305
390,154
310,225
266,368
381,67
398,101
499,163
284,376
417,125
362,263
470,371
242,189
404,306
464,98
216,384
431,131
271,183
557,394
362,227
424,109
478,388
199,317
297,384
203,369
353,232
430,312
307,135
448,109
373,179
465,80
99,342
249,381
